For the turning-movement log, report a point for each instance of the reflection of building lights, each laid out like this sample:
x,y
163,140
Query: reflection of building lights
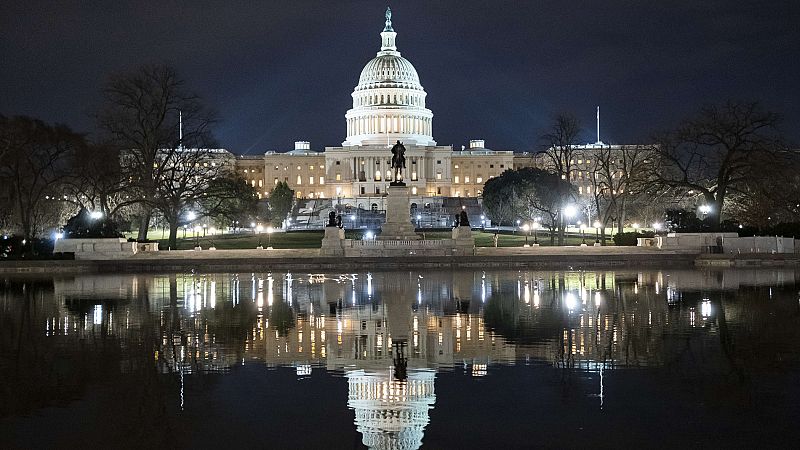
x,y
536,298
478,370
597,299
705,308
97,318
570,301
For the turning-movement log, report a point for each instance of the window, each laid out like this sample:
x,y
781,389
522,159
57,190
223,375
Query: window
x,y
253,183
479,179
438,175
321,180
276,167
298,167
502,166
456,179
321,167
491,166
374,207
377,189
338,176
414,176
299,180
260,183
413,190
310,180
377,175
455,166
466,179
338,163
363,190
276,181
438,161
438,191
310,167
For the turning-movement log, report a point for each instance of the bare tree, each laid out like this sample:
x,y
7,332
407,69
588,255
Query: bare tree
x,y
98,182
561,143
620,179
714,153
141,116
34,164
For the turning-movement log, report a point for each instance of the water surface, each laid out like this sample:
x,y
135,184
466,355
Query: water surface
x,y
450,359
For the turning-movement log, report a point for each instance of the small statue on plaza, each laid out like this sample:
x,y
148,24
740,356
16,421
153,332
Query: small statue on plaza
x,y
332,219
464,220
398,163
339,221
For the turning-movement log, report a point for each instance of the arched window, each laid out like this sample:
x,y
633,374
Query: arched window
x,y
374,207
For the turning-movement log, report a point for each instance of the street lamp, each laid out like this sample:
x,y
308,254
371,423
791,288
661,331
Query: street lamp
x,y
96,215
597,226
515,229
269,237
635,227
258,230
535,227
704,210
525,228
583,234
191,215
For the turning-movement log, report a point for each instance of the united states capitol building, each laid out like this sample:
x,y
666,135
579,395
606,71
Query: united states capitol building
x,y
389,105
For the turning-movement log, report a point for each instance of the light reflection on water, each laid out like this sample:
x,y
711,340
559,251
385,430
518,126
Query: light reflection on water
x,y
389,334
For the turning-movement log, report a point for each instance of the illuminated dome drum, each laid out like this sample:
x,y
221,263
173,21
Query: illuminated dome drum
x,y
389,101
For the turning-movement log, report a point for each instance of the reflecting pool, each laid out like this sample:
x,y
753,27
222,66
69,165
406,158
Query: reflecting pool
x,y
401,360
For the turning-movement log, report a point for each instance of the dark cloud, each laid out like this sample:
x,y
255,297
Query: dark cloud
x,y
496,70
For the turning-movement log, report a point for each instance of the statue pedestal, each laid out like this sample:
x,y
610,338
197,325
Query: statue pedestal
x,y
398,216
463,241
333,242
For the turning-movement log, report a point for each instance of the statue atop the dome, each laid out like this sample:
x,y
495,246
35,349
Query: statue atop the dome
x,y
388,26
398,164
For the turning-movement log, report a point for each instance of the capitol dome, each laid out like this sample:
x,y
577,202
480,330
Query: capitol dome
x,y
389,101
389,69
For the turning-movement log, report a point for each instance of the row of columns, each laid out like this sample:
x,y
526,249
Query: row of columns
x,y
397,124
370,167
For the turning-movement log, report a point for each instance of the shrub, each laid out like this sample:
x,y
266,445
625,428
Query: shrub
x,y
629,239
82,226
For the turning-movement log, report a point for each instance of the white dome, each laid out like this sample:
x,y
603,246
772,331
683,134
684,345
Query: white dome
x,y
389,101
389,69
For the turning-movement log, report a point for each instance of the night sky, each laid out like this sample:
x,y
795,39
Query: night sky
x,y
280,71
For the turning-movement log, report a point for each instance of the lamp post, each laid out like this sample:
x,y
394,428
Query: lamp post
x,y
535,236
569,212
525,228
597,225
269,237
583,234
515,229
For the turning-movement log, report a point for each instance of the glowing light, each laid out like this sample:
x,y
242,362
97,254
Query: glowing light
x,y
191,215
368,235
705,308
570,301
570,210
96,215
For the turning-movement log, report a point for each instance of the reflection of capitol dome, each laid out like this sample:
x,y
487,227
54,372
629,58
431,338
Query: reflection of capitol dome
x,y
391,414
389,101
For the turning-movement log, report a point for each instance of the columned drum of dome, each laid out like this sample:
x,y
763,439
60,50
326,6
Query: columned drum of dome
x,y
389,101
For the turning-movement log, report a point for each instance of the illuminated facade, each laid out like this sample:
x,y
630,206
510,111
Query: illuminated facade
x,y
389,105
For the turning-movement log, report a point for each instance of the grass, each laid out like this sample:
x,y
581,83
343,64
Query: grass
x,y
313,239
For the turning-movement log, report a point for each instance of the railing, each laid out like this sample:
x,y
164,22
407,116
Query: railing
x,y
405,243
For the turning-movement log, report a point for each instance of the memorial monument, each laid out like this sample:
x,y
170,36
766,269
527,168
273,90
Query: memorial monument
x,y
398,205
